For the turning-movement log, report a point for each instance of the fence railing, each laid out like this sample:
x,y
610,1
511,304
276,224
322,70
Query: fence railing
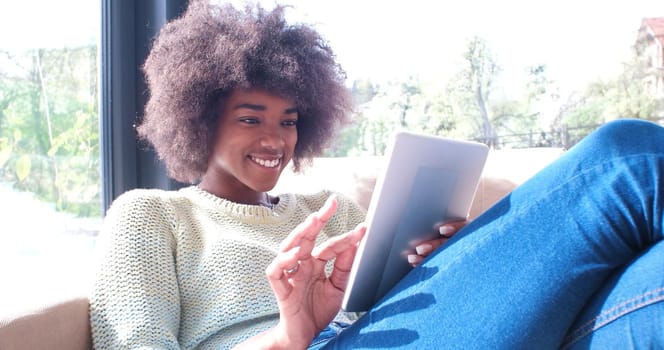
x,y
562,137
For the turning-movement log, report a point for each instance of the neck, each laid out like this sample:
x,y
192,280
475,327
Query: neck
x,y
244,197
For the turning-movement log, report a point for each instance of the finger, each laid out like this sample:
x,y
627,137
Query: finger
x,y
425,248
305,233
276,272
337,245
344,261
342,266
415,259
449,229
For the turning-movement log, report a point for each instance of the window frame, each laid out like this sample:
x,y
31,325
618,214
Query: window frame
x,y
127,30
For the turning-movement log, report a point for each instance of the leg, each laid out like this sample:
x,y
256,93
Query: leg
x,y
628,312
517,276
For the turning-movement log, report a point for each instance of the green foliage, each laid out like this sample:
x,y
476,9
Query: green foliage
x,y
396,105
5,151
470,105
623,96
436,117
626,96
49,126
363,91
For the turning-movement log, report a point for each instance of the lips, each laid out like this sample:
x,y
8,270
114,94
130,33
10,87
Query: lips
x,y
267,163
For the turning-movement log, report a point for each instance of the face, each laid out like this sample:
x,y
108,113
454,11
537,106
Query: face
x,y
255,141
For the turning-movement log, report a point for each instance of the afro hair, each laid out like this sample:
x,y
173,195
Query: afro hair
x,y
202,56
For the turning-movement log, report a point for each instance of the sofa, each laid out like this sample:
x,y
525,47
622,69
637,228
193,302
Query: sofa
x,y
60,325
64,324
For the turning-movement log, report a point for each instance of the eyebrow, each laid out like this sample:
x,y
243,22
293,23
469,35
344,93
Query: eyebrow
x,y
256,107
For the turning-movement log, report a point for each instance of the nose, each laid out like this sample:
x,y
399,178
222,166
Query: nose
x,y
272,139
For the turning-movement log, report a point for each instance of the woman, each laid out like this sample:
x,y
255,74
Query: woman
x,y
234,97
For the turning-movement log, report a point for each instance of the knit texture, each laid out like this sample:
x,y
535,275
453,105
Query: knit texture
x,y
186,269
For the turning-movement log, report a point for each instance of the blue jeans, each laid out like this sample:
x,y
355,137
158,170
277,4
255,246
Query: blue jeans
x,y
327,334
569,259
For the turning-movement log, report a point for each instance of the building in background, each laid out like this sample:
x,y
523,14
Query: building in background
x,y
650,46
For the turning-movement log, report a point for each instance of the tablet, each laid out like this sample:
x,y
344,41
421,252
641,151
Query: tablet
x,y
427,179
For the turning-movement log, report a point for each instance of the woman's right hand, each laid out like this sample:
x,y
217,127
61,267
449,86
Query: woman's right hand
x,y
308,299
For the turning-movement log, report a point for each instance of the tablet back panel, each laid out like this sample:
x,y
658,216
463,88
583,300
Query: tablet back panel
x,y
427,180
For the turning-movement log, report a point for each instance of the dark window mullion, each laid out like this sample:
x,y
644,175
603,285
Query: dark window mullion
x,y
126,33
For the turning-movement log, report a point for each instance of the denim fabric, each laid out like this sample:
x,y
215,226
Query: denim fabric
x,y
570,257
327,334
628,308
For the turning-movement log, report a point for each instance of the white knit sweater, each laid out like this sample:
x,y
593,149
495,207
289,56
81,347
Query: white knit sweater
x,y
185,269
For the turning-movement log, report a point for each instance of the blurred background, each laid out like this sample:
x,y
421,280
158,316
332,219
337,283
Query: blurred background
x,y
511,74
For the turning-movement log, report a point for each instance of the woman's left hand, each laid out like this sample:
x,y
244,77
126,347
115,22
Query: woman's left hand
x,y
308,299
423,249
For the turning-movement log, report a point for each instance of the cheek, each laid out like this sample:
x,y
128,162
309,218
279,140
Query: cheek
x,y
292,140
221,153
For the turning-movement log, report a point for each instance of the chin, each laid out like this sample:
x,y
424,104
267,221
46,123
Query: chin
x,y
264,186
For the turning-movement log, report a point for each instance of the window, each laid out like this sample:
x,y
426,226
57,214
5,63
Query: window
x,y
50,185
550,72
71,91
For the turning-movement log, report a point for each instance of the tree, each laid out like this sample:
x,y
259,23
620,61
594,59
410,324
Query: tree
x,y
363,90
437,114
351,136
471,89
49,126
518,120
381,110
627,95
623,96
497,119
404,98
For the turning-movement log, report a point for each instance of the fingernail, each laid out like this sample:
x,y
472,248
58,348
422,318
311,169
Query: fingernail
x,y
412,258
446,230
423,249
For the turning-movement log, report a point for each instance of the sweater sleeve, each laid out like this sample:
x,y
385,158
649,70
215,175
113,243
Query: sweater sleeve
x,y
135,298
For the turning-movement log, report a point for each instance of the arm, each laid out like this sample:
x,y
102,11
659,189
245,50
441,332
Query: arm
x,y
135,298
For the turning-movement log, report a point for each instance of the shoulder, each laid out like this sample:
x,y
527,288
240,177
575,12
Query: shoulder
x,y
142,200
142,211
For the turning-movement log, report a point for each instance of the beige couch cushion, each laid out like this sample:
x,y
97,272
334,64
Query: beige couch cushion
x,y
356,176
63,325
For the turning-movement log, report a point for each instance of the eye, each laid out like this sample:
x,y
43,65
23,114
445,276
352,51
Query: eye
x,y
290,122
249,120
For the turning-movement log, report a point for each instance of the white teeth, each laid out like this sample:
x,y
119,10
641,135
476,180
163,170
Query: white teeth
x,y
266,163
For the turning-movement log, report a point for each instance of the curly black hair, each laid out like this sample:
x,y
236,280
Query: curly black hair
x,y
199,58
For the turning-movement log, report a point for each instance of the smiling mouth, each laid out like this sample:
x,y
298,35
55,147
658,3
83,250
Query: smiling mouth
x,y
267,163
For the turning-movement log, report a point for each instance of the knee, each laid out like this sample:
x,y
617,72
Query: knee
x,y
628,135
630,128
